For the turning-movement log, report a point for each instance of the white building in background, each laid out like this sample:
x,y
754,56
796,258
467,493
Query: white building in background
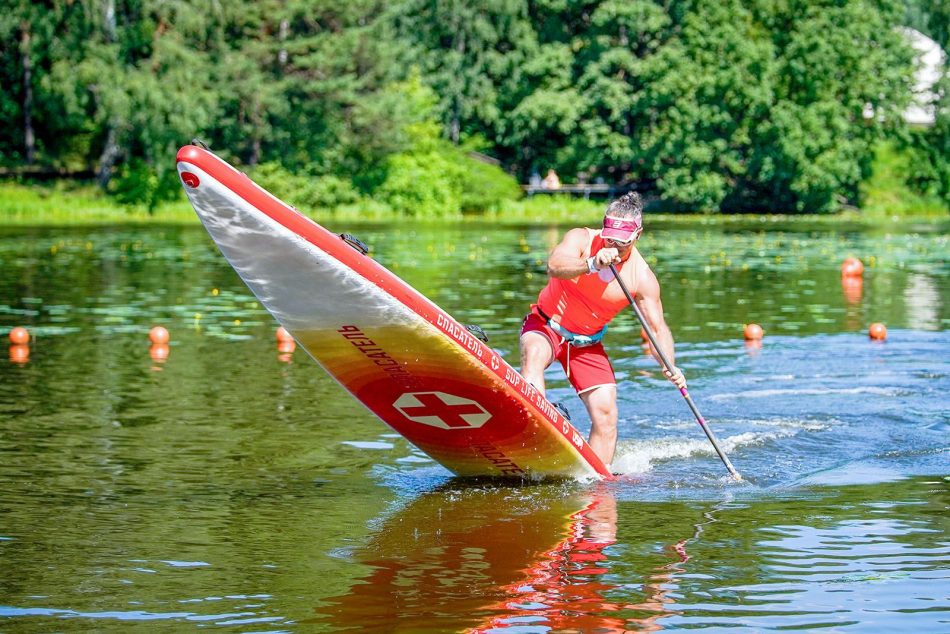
x,y
931,64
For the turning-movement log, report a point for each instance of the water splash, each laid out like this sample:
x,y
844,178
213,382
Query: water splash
x,y
879,391
640,456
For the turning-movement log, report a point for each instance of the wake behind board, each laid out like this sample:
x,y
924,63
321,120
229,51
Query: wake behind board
x,y
400,355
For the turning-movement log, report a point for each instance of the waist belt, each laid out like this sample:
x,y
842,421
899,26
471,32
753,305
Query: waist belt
x,y
573,338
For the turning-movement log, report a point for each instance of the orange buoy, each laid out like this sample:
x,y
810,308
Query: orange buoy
x,y
158,334
877,331
283,335
19,335
159,351
852,267
753,332
19,353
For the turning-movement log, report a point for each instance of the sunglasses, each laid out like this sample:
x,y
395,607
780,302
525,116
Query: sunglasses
x,y
625,225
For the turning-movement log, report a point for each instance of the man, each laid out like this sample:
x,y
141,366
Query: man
x,y
581,298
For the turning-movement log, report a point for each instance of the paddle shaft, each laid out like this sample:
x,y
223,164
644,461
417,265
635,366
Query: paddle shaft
x,y
669,368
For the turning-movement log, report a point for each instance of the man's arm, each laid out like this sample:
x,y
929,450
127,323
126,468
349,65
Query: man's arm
x,y
567,261
648,300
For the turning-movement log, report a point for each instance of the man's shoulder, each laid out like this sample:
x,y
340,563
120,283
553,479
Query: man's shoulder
x,y
643,264
646,277
578,234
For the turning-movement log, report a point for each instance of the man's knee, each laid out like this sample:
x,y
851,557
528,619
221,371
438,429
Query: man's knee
x,y
602,405
607,411
604,426
605,418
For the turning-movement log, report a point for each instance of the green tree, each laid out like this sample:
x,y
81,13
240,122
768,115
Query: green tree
x,y
431,177
17,53
930,17
730,106
34,127
335,62
464,50
615,48
930,147
142,79
538,126
723,105
705,93
845,79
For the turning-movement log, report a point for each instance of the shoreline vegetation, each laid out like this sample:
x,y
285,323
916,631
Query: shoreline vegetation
x,y
77,205
67,202
435,111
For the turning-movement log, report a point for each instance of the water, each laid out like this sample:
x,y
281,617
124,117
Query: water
x,y
232,487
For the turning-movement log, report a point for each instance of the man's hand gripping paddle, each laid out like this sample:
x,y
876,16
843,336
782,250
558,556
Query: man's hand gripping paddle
x,y
669,368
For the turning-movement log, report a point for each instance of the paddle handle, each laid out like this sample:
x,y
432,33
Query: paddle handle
x,y
669,368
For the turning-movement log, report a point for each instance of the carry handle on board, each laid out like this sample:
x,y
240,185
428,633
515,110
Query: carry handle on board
x,y
360,246
355,242
477,332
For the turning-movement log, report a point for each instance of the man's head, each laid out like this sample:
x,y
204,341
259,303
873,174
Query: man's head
x,y
623,220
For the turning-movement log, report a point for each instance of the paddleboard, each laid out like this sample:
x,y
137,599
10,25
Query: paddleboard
x,y
408,361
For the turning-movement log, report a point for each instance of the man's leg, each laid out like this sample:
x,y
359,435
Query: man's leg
x,y
536,356
601,405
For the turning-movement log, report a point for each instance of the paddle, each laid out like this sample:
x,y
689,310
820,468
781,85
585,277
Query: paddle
x,y
669,368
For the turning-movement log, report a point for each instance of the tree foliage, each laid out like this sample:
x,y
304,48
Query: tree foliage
x,y
930,147
721,105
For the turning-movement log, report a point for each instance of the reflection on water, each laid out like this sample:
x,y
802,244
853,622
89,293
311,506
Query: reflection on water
x,y
592,559
923,302
488,560
222,481
567,589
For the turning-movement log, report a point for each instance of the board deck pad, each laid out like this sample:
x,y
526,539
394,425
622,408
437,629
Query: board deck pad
x,y
408,361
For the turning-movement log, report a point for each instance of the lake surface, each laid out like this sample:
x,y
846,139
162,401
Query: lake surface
x,y
233,487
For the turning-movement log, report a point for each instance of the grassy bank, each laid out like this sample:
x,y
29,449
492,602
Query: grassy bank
x,y
885,195
71,203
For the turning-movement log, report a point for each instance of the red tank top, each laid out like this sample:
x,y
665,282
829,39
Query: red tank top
x,y
587,303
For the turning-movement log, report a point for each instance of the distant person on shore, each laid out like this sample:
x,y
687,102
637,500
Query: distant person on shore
x,y
581,298
551,180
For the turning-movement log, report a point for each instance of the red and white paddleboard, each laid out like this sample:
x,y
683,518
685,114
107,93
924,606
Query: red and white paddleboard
x,y
408,361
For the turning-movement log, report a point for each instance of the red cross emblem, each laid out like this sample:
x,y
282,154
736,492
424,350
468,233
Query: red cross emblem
x,y
439,409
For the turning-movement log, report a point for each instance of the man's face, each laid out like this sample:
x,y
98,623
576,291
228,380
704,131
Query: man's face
x,y
622,247
621,233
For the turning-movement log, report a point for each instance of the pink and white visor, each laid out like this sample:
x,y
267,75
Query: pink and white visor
x,y
621,229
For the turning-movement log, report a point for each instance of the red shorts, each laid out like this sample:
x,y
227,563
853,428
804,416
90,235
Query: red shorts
x,y
587,367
